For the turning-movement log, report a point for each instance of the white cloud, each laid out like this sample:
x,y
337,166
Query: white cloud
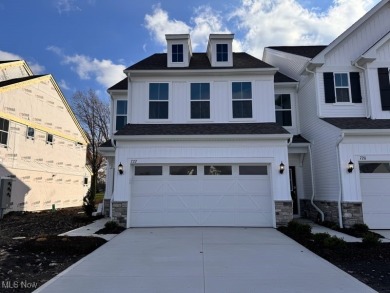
x,y
63,85
66,6
262,23
104,71
269,23
34,66
159,24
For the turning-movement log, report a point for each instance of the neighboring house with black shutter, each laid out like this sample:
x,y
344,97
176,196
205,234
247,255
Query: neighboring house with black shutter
x,y
195,140
344,110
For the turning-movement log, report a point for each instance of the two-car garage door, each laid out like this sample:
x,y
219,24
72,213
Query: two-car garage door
x,y
200,195
375,187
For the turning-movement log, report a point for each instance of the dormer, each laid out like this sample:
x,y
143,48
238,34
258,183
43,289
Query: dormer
x,y
179,50
219,50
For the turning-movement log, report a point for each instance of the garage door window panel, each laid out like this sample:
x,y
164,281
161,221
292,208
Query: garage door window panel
x,y
252,170
374,168
148,170
217,170
183,170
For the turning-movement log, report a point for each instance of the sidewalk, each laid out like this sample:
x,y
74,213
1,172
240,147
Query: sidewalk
x,y
90,230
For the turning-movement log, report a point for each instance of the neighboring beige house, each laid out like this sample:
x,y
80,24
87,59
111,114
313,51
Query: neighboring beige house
x,y
42,145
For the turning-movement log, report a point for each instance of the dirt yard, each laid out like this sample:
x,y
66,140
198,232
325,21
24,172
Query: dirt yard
x,y
30,251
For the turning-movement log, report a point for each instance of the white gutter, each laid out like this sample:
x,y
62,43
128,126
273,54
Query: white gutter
x,y
340,181
313,187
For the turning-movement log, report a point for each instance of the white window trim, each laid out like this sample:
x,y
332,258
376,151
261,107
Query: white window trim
x,y
293,109
116,110
231,102
169,103
177,62
342,87
190,102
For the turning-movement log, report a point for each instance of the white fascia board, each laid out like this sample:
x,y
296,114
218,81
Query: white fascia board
x,y
370,55
202,137
286,84
202,72
111,92
107,151
365,132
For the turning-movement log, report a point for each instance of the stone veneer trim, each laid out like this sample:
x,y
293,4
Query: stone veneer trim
x,y
283,212
119,212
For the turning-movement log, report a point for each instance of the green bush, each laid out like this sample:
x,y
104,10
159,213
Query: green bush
x,y
89,203
111,225
371,239
299,230
319,238
334,242
360,228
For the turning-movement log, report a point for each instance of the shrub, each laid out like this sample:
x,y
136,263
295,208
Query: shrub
x,y
89,203
111,225
334,242
299,230
319,238
360,228
371,239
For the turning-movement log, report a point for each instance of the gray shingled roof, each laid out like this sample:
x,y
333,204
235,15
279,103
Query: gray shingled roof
x,y
202,129
17,80
198,61
280,77
358,123
122,85
305,51
299,139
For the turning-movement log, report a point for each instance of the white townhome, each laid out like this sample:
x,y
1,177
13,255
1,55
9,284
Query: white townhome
x,y
195,140
344,110
42,146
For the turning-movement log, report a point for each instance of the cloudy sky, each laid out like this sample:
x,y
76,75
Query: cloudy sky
x,y
86,44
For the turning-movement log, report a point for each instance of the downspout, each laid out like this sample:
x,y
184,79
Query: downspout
x,y
313,187
312,171
113,180
368,106
340,181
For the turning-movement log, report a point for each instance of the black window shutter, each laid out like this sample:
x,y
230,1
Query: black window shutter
x,y
384,87
329,87
355,87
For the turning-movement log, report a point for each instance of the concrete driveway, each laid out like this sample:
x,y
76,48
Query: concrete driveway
x,y
197,260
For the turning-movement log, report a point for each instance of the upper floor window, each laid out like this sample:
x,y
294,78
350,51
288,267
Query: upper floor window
x,y
158,100
283,109
342,87
222,52
49,138
177,53
242,99
4,129
30,132
200,101
121,114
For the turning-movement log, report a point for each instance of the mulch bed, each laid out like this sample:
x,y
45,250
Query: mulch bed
x,y
31,253
369,264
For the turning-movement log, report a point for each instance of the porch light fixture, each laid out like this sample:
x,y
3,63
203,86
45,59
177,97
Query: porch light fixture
x,y
281,168
120,168
350,166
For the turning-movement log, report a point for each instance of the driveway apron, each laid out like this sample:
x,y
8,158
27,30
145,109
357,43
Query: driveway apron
x,y
198,260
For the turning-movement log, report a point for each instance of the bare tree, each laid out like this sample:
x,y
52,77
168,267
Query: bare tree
x,y
93,115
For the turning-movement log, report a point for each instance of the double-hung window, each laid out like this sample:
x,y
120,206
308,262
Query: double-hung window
x,y
158,100
283,109
121,114
177,53
341,85
4,129
222,52
200,101
30,132
242,99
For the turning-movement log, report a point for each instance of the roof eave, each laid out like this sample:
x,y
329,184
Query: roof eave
x,y
282,136
365,132
211,71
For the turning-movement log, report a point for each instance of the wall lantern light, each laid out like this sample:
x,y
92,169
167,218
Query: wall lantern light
x,y
281,168
120,168
350,166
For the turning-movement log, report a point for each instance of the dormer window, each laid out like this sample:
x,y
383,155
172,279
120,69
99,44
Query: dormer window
x,y
222,52
177,53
